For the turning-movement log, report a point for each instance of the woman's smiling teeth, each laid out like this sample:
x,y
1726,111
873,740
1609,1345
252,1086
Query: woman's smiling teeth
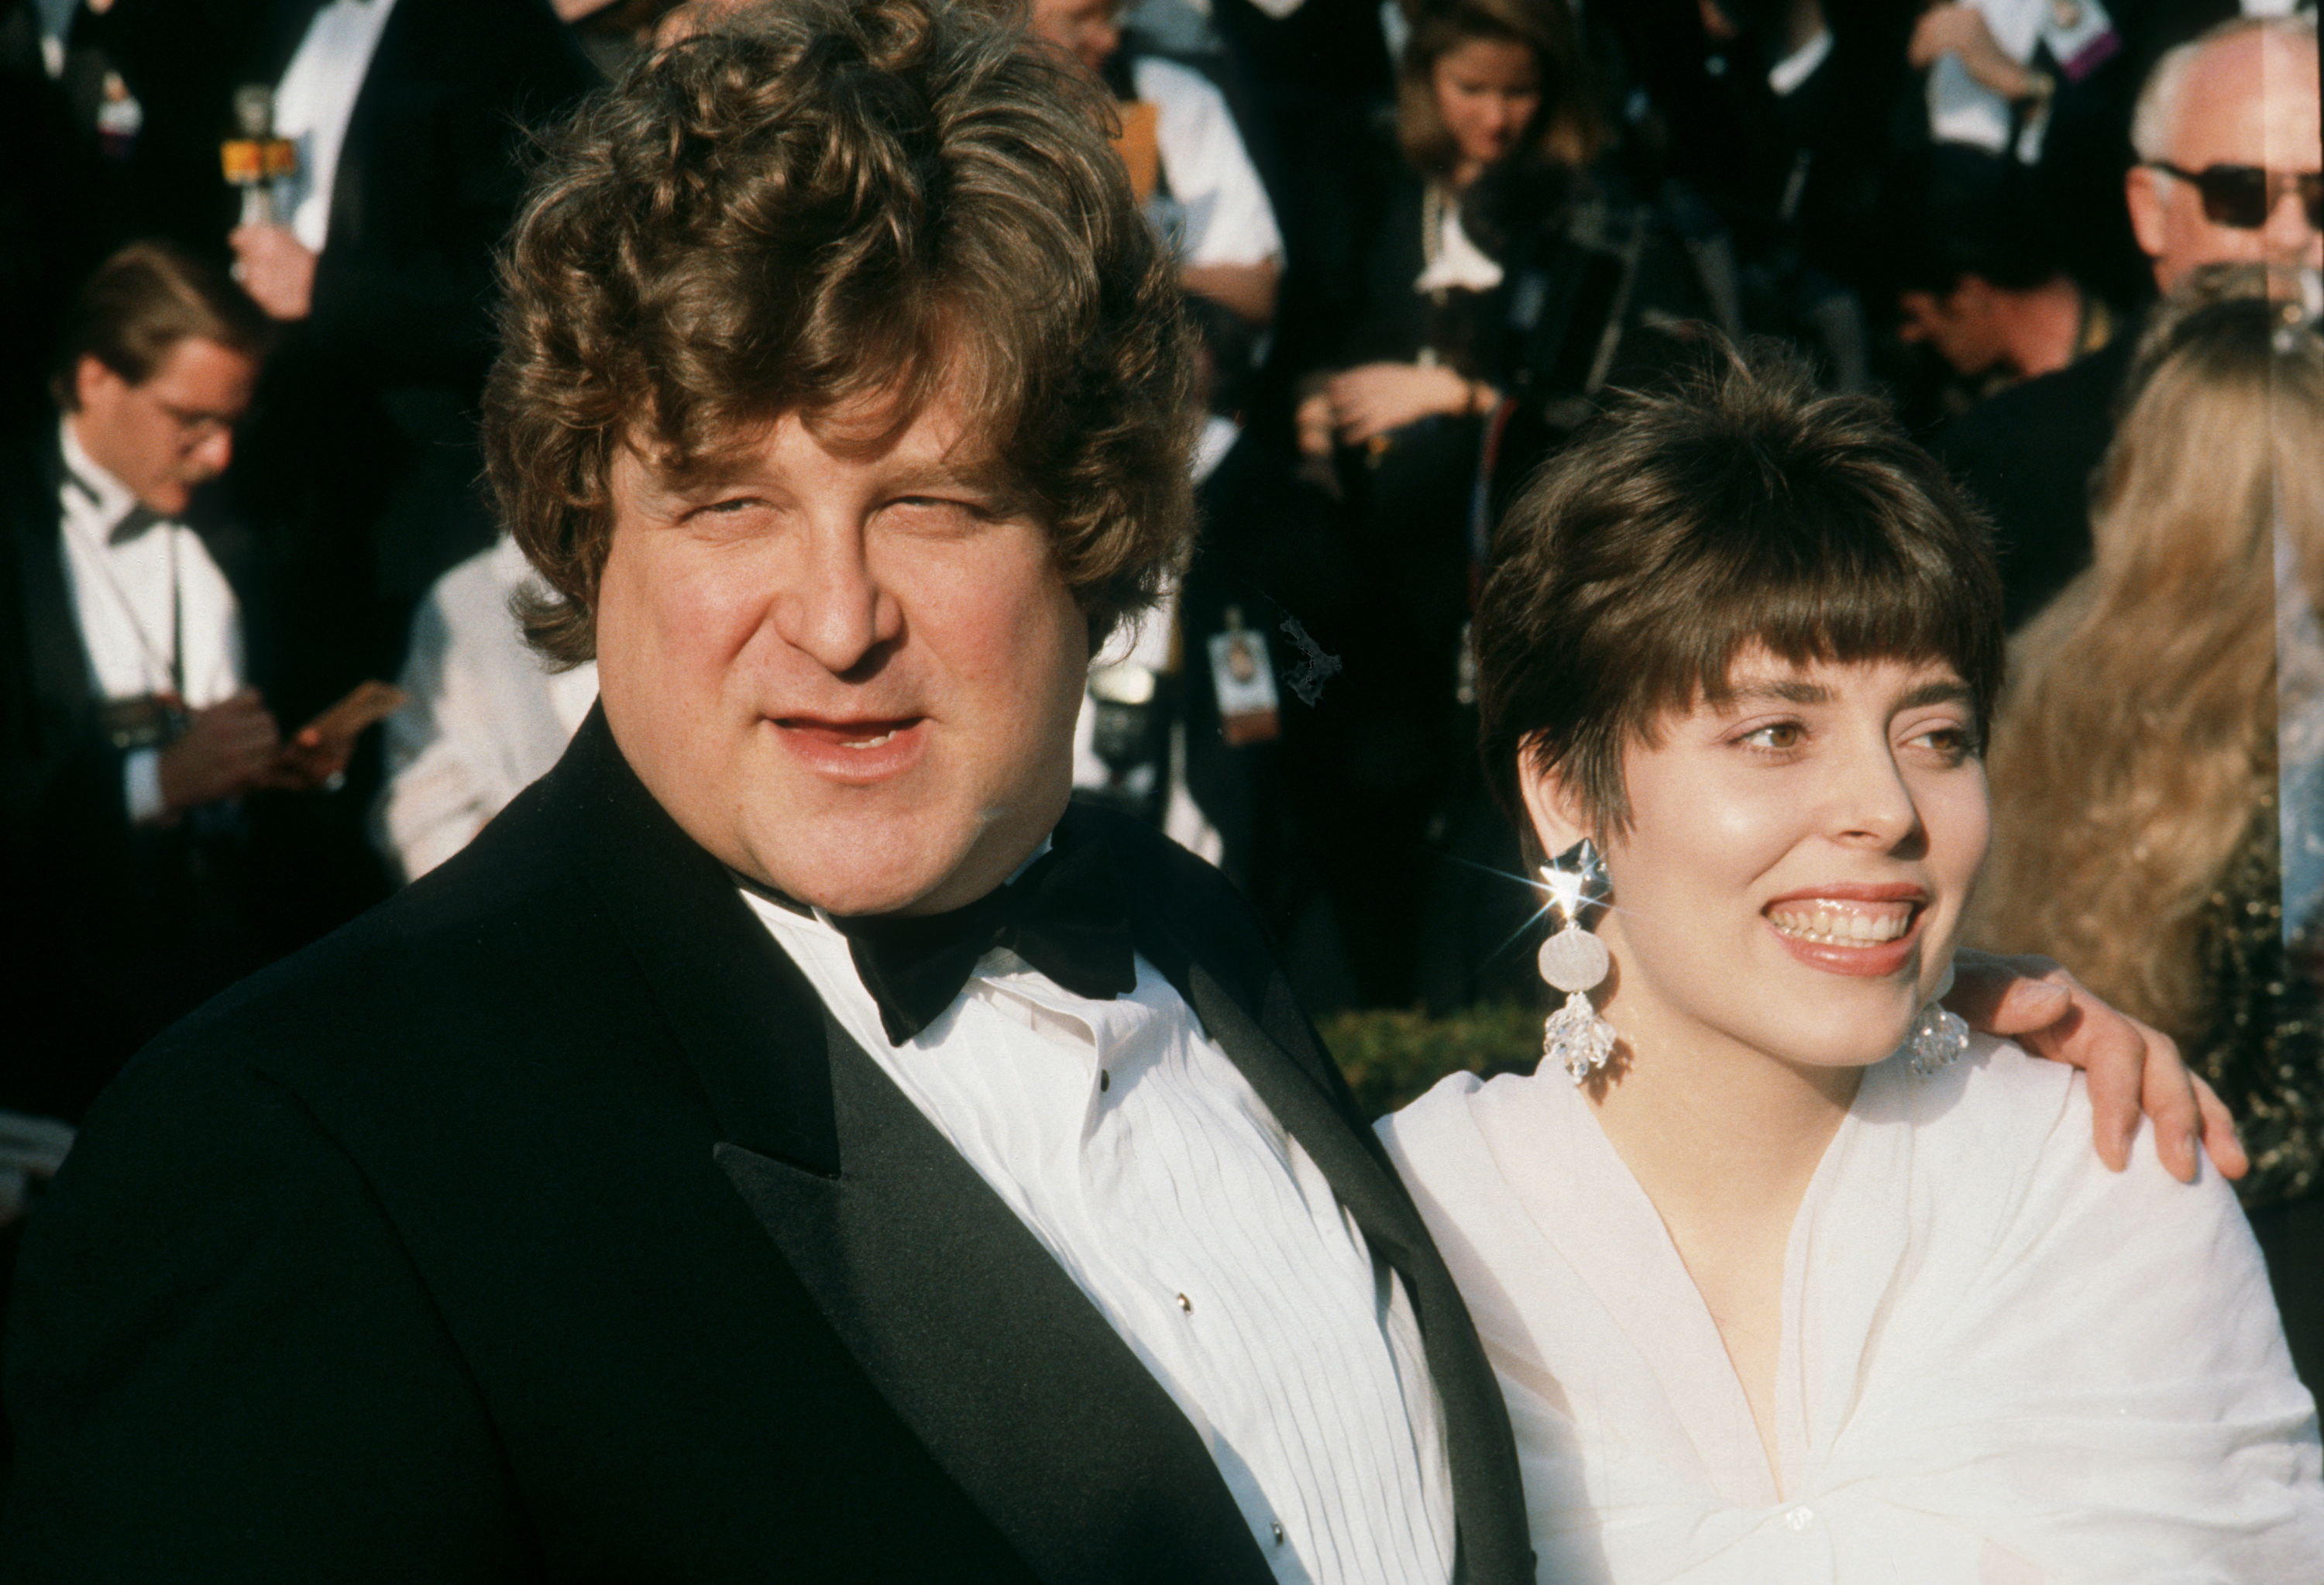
x,y
871,743
1842,924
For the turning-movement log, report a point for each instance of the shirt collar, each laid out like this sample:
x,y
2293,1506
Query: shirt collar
x,y
110,505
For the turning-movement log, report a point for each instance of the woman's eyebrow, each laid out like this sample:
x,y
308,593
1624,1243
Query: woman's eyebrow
x,y
1790,690
1950,690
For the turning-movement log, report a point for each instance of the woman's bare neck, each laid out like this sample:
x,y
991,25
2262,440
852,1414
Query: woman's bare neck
x,y
1725,1143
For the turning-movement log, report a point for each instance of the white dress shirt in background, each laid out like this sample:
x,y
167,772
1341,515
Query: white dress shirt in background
x,y
484,719
315,100
1133,1149
1962,110
155,614
1225,211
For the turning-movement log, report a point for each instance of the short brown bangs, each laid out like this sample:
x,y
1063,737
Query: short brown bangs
x,y
1736,509
1807,593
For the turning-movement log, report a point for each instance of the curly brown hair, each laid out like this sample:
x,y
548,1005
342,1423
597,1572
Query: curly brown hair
x,y
825,204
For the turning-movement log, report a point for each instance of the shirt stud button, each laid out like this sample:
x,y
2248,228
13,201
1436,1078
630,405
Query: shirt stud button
x,y
1104,1081
1278,1535
1799,1519
1185,1303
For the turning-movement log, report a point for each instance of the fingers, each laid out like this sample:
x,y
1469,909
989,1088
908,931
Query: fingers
x,y
2112,1060
2009,996
2169,1093
2219,1140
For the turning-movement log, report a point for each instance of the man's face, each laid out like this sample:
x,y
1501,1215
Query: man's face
x,y
1960,325
850,674
171,431
2247,100
1084,29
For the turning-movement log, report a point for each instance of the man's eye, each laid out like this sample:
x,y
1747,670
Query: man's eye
x,y
1780,735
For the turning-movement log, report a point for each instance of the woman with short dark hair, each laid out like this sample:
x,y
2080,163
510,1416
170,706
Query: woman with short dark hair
x,y
1784,1273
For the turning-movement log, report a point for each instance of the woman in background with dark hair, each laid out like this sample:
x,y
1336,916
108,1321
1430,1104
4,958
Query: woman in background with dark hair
x,y
1486,88
1507,268
1784,1273
2137,833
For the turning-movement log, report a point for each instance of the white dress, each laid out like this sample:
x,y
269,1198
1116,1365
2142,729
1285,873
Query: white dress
x,y
2000,1362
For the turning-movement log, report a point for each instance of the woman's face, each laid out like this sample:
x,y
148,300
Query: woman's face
x,y
1797,861
1488,90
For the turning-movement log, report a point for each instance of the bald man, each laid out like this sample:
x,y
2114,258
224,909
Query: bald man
x,y
2227,133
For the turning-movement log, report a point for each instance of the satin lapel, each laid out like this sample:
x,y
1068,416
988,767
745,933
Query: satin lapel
x,y
61,672
976,1338
984,1346
1280,1057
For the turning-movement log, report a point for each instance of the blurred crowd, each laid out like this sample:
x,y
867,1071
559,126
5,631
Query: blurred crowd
x,y
257,655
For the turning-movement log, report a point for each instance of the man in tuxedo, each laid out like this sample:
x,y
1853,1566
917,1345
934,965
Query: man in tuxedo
x,y
408,118
788,1141
133,731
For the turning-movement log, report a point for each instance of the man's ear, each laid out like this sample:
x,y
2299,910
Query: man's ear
x,y
91,379
2141,190
1556,812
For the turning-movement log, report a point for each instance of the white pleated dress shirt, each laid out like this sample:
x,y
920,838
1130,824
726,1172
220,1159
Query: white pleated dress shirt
x,y
151,605
1132,1148
1227,219
315,101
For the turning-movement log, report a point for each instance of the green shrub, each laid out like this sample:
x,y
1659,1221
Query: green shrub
x,y
1391,1056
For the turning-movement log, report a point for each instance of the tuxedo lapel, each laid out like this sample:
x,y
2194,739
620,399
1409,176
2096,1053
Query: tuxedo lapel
x,y
61,680
1268,1039
979,1341
1015,1385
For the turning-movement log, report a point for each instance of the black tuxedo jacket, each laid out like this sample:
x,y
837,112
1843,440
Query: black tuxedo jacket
x,y
121,931
541,1224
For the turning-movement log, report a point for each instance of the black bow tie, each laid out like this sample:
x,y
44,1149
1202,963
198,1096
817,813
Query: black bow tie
x,y
1065,916
139,518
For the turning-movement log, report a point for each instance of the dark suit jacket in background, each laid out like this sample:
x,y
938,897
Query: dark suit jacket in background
x,y
119,931
2029,454
543,1225
360,462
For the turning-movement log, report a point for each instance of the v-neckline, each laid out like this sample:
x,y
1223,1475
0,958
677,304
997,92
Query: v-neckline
x,y
1582,1197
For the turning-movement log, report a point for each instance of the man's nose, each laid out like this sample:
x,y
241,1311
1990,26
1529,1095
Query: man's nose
x,y
212,453
835,610
2290,239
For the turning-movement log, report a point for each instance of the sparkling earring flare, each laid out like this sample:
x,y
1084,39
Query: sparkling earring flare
x,y
1574,961
1936,1039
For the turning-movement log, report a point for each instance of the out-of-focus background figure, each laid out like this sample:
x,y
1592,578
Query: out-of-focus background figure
x,y
2139,833
2225,134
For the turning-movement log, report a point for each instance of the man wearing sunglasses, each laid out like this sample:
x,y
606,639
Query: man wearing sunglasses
x,y
2227,134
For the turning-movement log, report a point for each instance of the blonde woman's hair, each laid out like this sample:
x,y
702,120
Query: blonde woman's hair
x,y
2136,743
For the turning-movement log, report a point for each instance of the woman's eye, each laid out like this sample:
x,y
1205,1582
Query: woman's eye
x,y
1955,741
1779,735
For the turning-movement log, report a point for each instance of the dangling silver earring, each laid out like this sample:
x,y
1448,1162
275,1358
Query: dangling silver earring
x,y
1574,961
1937,1037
